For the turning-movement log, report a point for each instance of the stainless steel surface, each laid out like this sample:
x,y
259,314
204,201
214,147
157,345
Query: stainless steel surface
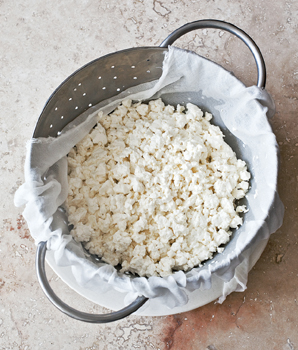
x,y
100,80
68,310
97,81
209,23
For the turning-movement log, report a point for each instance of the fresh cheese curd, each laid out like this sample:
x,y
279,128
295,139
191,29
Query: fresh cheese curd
x,y
153,188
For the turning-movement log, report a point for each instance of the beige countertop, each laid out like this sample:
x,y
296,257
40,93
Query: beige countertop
x,y
41,44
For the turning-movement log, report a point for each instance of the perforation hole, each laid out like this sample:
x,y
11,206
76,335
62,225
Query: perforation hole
x,y
133,67
75,89
99,77
62,116
135,78
79,84
112,67
104,88
148,71
56,108
84,94
58,133
51,126
118,89
77,107
90,104
115,77
70,99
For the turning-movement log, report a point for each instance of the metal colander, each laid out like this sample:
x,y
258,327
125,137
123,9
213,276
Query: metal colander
x,y
98,81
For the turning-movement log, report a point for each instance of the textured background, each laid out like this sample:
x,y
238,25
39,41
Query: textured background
x,y
41,43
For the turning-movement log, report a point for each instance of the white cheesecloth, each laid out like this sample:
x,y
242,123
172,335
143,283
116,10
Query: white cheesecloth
x,y
242,114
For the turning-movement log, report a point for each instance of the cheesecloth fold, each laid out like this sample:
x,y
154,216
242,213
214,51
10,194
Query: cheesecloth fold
x,y
240,112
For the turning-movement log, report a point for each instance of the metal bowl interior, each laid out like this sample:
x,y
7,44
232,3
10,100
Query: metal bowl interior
x,y
97,81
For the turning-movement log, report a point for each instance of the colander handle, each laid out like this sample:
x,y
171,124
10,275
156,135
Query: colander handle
x,y
68,310
211,23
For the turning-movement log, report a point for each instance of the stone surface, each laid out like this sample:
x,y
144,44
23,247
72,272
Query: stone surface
x,y
44,42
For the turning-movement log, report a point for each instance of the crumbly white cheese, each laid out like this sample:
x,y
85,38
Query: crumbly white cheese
x,y
153,188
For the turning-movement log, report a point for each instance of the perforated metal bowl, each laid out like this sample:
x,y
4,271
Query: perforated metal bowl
x,y
100,80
